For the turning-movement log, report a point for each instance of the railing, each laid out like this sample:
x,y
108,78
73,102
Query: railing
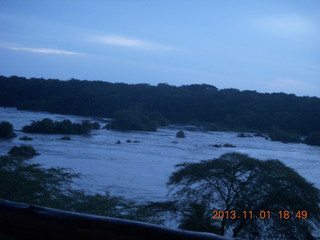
x,y
21,221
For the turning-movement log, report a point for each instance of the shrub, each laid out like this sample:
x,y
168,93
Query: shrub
x,y
313,139
49,126
132,120
259,134
242,135
65,138
285,137
26,138
25,151
229,145
180,134
96,125
6,130
158,118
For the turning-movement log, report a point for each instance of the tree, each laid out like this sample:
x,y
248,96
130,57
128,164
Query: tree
x,y
226,109
237,182
132,120
313,139
49,126
6,130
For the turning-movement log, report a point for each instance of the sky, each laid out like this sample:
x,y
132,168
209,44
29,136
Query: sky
x,y
265,45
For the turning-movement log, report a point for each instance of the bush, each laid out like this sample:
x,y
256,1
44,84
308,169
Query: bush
x,y
158,118
285,137
229,145
26,138
25,151
180,134
49,126
216,145
96,125
313,139
242,135
67,138
259,134
6,130
132,120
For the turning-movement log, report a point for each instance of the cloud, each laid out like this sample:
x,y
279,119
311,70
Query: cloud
x,y
40,50
129,42
45,50
288,24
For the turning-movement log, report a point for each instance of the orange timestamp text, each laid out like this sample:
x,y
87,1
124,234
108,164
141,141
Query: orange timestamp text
x,y
284,214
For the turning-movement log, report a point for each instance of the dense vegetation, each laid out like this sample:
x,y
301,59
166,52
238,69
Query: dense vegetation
x,y
313,139
49,126
132,120
180,134
235,183
283,136
6,130
224,109
24,151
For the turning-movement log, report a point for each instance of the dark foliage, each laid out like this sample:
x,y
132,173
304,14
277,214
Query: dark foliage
x,y
6,130
180,134
132,120
283,136
313,139
240,183
243,135
49,126
95,125
227,145
25,151
228,109
22,181
26,138
67,138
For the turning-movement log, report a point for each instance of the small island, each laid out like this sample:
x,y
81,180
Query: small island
x,y
24,151
49,126
180,134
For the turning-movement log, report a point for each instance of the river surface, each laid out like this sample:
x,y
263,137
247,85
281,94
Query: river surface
x,y
139,171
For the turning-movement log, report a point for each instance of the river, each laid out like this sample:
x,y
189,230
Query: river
x,y
140,170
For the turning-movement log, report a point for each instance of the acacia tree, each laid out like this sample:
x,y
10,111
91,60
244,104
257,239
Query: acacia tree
x,y
236,182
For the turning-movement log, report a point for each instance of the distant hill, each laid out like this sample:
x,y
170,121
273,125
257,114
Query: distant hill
x,y
228,109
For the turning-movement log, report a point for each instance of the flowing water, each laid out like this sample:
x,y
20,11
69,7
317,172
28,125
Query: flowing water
x,y
140,170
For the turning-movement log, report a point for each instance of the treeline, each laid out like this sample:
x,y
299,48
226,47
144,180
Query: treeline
x,y
226,109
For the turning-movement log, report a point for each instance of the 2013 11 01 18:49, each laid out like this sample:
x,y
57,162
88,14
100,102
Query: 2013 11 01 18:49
x,y
262,214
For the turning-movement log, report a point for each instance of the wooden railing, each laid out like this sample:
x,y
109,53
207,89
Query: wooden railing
x,y
21,221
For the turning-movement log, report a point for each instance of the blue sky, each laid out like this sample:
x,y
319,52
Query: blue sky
x,y
265,45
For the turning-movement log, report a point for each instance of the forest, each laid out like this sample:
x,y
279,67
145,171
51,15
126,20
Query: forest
x,y
197,104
